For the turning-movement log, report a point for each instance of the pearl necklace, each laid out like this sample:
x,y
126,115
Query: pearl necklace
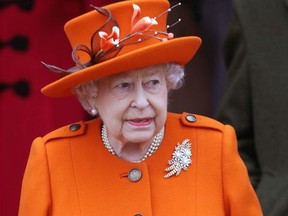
x,y
153,147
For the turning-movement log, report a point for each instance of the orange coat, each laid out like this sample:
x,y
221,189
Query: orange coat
x,y
71,173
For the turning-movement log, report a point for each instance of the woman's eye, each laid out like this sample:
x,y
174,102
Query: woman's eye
x,y
152,83
123,85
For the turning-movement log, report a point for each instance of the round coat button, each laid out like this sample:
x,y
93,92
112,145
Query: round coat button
x,y
134,175
74,127
191,118
138,215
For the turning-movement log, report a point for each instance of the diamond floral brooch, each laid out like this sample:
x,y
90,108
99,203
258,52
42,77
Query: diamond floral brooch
x,y
181,159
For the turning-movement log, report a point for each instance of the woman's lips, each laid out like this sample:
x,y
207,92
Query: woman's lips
x,y
140,122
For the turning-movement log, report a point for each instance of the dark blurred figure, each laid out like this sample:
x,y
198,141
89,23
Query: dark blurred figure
x,y
256,97
214,18
209,20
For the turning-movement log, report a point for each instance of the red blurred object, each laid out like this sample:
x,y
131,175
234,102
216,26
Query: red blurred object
x,y
31,32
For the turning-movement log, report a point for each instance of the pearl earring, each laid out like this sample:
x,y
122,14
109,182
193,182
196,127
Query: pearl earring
x,y
93,111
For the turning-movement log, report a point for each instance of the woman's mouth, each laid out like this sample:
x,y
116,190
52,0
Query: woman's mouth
x,y
140,122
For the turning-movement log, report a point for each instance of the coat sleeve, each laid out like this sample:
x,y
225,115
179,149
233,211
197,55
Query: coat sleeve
x,y
239,195
236,105
35,194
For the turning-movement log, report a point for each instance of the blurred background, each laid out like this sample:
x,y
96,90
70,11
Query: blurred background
x,y
31,31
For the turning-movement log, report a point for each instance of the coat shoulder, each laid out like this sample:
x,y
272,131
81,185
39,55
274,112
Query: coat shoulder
x,y
71,130
68,131
194,120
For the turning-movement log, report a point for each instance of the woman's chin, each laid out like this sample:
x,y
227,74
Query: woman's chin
x,y
139,137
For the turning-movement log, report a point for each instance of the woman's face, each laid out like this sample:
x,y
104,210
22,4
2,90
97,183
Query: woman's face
x,y
133,105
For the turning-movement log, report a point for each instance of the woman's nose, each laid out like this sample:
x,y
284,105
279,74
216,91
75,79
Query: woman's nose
x,y
140,99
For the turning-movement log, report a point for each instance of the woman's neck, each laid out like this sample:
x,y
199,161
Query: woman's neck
x,y
133,152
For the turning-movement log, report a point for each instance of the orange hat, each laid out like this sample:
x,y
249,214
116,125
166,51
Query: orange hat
x,y
118,38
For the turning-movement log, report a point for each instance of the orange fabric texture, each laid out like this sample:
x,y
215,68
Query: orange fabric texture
x,y
71,173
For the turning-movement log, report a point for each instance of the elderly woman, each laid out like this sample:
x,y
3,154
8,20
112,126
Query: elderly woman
x,y
134,158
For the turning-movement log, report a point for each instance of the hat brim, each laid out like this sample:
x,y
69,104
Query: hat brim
x,y
178,50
